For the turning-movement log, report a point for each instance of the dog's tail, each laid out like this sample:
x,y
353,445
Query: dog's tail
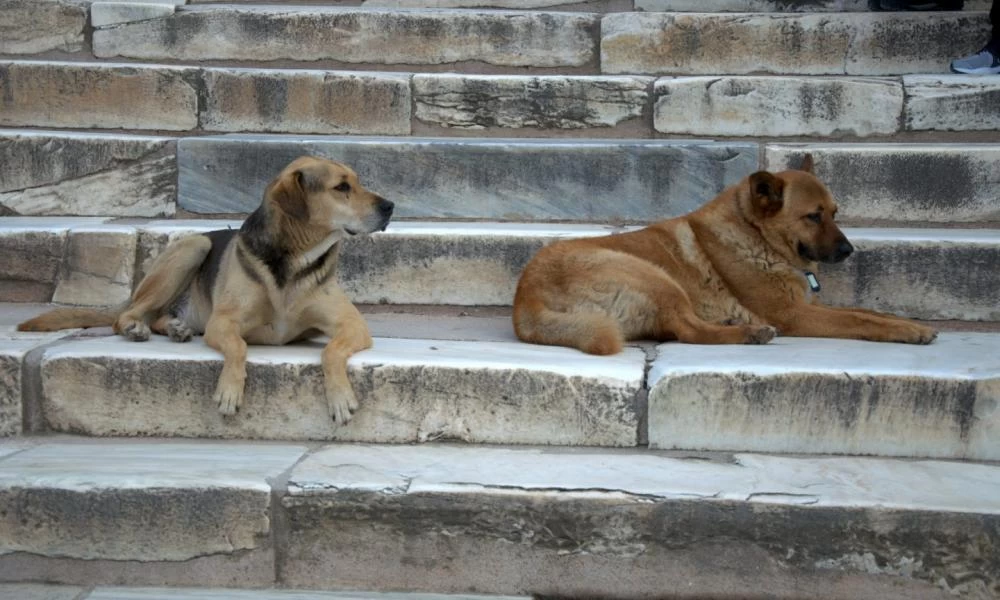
x,y
72,318
592,332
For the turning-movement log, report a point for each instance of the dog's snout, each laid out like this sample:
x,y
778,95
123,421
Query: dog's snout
x,y
844,249
385,207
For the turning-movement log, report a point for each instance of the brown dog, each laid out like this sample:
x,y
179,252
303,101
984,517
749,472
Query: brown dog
x,y
736,271
272,282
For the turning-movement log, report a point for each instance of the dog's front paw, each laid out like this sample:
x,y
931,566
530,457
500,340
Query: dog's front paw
x,y
229,399
178,331
136,331
342,403
760,334
919,334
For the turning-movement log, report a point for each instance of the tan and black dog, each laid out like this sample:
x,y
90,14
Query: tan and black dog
x,y
739,270
271,282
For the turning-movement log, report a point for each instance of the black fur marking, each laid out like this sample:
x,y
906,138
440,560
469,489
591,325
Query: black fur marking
x,y
317,265
258,241
209,270
247,265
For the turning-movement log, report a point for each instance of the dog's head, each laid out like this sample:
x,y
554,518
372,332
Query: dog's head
x,y
327,194
795,212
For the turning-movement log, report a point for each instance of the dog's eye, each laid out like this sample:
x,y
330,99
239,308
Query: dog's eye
x,y
343,186
815,217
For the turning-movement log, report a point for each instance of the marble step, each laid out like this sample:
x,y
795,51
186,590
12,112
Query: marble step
x,y
570,523
922,273
157,98
40,591
56,173
630,42
443,376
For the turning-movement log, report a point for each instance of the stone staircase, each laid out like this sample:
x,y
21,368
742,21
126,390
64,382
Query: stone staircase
x,y
479,465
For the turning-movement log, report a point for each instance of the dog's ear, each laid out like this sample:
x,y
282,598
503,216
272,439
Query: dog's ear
x,y
765,193
807,163
288,192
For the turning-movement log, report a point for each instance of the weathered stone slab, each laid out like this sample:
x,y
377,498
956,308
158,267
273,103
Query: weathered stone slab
x,y
103,14
105,95
106,593
306,101
894,43
712,44
30,27
913,183
812,396
140,504
409,391
568,523
31,591
468,264
33,251
858,43
777,106
919,273
98,267
951,103
65,173
371,36
12,353
511,101
751,6
586,180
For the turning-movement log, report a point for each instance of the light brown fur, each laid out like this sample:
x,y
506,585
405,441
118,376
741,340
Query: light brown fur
x,y
271,283
731,272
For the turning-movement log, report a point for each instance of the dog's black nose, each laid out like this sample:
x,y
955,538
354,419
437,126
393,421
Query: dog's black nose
x,y
844,249
385,207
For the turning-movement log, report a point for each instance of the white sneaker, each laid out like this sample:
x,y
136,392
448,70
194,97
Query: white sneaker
x,y
983,63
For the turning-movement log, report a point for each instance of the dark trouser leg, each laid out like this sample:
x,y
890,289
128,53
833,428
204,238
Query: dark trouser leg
x,y
994,43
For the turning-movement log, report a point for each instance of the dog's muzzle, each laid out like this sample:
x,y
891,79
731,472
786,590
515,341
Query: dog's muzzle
x,y
384,208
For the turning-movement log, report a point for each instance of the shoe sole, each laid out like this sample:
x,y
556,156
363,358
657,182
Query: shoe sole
x,y
977,71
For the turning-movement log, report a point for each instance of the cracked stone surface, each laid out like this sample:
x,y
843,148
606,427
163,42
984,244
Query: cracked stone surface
x,y
772,5
777,106
817,396
89,95
951,103
65,173
103,14
571,515
13,349
431,37
98,266
914,273
859,43
306,101
30,27
487,179
33,249
551,102
139,501
918,183
409,391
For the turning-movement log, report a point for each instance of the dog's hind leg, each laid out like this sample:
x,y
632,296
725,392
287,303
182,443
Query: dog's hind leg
x,y
169,276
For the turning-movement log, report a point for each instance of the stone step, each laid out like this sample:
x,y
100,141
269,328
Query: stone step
x,y
57,173
497,179
466,378
68,592
829,107
572,523
629,42
921,273
145,97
